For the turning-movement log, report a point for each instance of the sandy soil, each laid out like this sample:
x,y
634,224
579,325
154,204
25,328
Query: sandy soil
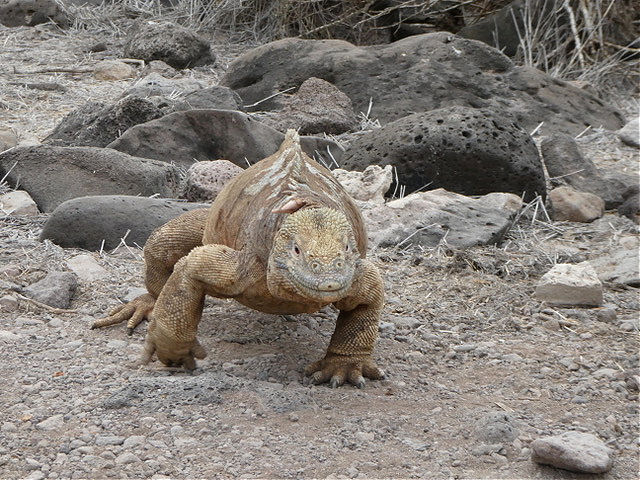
x,y
462,337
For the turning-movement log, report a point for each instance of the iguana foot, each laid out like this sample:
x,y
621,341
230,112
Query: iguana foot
x,y
336,369
135,311
172,353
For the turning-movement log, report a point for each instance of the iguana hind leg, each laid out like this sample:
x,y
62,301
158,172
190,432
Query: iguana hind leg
x,y
215,270
166,245
348,357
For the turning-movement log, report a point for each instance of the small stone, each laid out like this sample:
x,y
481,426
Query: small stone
x,y
113,70
18,202
293,417
571,205
609,373
8,139
127,458
134,441
630,133
54,422
606,315
497,427
55,290
8,303
567,284
86,268
55,323
109,440
574,451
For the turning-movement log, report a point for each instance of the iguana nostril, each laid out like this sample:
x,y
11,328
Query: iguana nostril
x,y
329,286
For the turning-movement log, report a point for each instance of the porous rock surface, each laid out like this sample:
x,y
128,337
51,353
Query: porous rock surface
x,y
567,165
420,73
465,150
168,42
205,180
96,124
429,218
574,451
317,106
18,202
18,13
52,174
186,137
86,221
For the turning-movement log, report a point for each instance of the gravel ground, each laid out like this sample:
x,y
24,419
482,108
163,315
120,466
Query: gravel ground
x,y
477,368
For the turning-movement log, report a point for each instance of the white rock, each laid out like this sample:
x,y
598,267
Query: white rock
x,y
8,138
8,337
630,133
8,303
567,284
113,70
367,186
18,202
54,422
86,268
574,451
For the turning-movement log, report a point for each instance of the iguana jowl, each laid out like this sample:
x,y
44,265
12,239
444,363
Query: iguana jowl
x,y
282,237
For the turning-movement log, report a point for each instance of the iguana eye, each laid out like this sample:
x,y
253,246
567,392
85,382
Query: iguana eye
x,y
346,247
296,250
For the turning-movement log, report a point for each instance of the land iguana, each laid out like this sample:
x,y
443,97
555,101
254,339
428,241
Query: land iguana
x,y
283,237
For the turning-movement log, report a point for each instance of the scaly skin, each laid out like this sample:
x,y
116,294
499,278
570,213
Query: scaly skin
x,y
283,237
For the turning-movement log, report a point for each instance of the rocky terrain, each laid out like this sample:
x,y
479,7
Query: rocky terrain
x,y
489,375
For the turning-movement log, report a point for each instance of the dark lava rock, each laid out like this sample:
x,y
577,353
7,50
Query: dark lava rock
x,y
416,74
186,137
96,124
464,150
18,13
52,175
212,98
567,166
168,42
86,221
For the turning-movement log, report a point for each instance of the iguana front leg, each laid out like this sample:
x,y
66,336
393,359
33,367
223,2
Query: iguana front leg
x,y
215,270
348,356
166,245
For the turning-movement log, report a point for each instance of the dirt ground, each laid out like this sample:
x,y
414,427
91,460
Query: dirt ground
x,y
462,337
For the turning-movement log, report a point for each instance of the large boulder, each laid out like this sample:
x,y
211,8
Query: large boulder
x,y
465,150
430,218
567,166
18,13
166,41
185,137
419,73
96,124
52,175
86,222
205,180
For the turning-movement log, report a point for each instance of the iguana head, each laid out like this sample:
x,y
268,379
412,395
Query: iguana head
x,y
313,256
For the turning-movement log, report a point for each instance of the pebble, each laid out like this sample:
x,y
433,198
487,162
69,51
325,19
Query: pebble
x,y
574,451
54,422
55,323
134,441
127,458
8,303
109,440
